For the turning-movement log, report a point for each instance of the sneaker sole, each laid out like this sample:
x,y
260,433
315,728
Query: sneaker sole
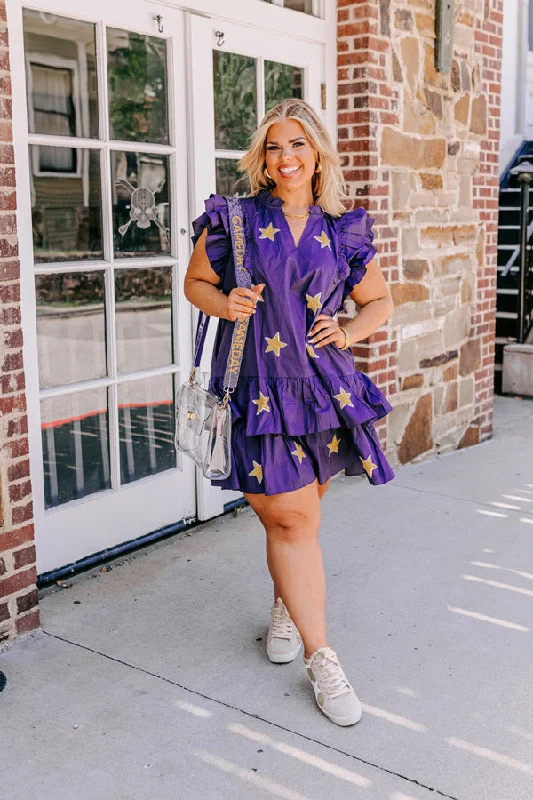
x,y
343,721
283,658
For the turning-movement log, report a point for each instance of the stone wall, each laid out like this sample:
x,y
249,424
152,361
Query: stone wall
x,y
420,152
18,593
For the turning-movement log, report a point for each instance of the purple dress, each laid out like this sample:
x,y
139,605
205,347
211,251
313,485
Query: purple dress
x,y
299,413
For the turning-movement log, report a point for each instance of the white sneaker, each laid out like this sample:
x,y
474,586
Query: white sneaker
x,y
334,695
283,640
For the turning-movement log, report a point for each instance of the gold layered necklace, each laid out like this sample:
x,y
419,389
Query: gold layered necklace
x,y
296,216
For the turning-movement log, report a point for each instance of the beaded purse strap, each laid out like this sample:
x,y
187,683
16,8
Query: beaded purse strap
x,y
240,330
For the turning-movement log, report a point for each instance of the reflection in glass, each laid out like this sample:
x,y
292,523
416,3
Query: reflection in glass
x,y
66,210
141,213
137,81
234,78
146,427
61,75
75,446
307,6
143,318
70,327
281,82
229,181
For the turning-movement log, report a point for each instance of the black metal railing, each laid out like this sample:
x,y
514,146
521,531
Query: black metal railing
x,y
524,307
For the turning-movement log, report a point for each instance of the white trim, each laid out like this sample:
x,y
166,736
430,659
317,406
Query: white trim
x,y
258,15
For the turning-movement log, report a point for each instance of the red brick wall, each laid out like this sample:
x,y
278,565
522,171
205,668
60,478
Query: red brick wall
x,y
488,42
420,153
18,593
366,102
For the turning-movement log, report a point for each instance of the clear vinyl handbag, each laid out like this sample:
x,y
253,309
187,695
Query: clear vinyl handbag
x,y
203,429
203,420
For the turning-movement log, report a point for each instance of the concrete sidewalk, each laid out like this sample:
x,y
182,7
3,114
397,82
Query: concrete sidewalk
x,y
151,680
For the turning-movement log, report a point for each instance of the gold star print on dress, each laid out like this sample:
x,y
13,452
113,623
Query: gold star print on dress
x,y
324,240
299,453
262,403
368,465
269,233
344,398
257,472
274,344
313,302
333,446
311,351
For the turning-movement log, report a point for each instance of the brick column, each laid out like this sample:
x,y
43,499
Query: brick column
x,y
420,152
368,101
488,43
18,593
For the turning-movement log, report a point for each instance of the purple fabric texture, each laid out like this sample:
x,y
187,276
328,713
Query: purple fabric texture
x,y
299,413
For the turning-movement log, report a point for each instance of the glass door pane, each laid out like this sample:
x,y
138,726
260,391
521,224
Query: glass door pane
x,y
75,446
146,426
62,90
143,314
137,87
237,105
71,327
281,82
235,92
141,204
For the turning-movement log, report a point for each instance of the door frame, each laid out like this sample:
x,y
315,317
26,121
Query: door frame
x,y
115,502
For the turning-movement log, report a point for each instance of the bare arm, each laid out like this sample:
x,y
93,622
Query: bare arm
x,y
374,299
202,288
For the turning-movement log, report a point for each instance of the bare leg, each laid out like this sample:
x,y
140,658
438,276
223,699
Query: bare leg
x,y
322,489
294,558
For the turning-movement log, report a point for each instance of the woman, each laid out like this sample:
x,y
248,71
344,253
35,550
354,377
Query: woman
x,y
301,413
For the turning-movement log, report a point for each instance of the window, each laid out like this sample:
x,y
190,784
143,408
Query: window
x,y
313,7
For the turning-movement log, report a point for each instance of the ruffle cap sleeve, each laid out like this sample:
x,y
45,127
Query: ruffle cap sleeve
x,y
356,246
218,241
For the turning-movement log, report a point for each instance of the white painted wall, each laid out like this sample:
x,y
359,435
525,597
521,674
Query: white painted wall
x,y
515,93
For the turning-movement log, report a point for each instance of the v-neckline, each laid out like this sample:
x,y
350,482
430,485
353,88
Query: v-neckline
x,y
266,197
304,230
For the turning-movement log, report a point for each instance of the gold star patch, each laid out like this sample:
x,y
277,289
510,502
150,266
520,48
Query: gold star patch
x,y
262,403
314,302
299,453
311,351
368,466
324,240
257,472
344,398
333,446
274,344
269,233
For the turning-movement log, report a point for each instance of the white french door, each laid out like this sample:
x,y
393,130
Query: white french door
x,y
237,73
99,92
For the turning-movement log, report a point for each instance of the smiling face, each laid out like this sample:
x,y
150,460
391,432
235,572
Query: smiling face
x,y
290,157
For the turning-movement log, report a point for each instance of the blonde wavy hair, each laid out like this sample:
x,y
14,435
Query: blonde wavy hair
x,y
329,188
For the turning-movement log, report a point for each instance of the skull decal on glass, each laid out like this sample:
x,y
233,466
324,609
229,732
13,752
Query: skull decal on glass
x,y
143,208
